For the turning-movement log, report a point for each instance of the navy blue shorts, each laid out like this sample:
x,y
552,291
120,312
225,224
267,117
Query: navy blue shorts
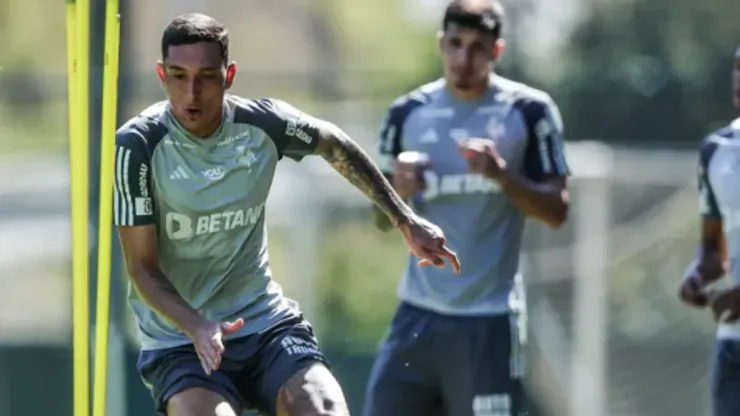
x,y
437,365
253,368
432,364
726,379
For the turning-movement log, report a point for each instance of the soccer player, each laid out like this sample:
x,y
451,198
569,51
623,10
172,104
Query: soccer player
x,y
719,179
192,175
487,153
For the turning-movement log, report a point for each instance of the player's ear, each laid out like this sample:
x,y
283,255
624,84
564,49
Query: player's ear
x,y
160,71
499,49
230,74
440,41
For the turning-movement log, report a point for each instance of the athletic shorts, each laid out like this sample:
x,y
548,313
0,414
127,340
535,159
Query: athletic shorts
x,y
253,368
726,379
438,365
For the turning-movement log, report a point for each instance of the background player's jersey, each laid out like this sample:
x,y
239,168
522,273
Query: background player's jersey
x,y
719,186
207,199
480,222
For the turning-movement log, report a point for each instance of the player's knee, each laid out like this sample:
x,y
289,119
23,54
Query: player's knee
x,y
199,402
312,391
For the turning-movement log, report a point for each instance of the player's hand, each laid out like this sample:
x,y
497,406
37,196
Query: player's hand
x,y
483,157
726,305
427,242
209,344
692,291
408,179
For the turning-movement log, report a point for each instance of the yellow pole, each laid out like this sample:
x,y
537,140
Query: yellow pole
x,y
78,64
107,149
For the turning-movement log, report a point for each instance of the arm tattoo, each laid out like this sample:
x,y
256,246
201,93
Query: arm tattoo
x,y
347,158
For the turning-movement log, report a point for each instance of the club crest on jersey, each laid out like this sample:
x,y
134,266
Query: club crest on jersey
x,y
247,159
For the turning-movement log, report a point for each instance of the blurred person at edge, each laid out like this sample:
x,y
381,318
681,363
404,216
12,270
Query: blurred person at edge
x,y
719,190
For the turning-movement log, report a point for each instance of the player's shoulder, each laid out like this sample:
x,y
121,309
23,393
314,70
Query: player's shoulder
x,y
519,93
146,129
729,135
404,105
256,111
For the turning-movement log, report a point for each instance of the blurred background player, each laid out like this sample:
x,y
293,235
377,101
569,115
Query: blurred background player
x,y
720,208
488,153
192,177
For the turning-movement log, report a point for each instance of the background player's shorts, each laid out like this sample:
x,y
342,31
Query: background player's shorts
x,y
253,368
431,364
726,379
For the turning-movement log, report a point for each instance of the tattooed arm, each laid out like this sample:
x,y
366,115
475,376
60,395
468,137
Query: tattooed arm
x,y
347,158
296,134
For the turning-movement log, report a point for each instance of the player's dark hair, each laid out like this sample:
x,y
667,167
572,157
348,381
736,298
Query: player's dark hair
x,y
484,15
192,28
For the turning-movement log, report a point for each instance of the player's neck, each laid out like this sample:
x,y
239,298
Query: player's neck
x,y
469,94
207,130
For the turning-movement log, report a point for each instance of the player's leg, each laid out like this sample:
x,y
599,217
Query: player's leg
x,y
403,381
199,401
180,387
312,391
290,376
726,379
481,366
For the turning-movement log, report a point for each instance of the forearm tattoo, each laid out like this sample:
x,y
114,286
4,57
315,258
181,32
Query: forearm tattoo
x,y
347,158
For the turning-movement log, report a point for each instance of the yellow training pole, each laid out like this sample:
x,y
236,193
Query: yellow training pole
x,y
78,63
107,149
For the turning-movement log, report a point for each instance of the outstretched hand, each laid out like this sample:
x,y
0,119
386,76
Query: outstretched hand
x,y
427,242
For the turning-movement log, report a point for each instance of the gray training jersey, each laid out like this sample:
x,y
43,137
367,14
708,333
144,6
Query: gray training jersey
x,y
207,199
481,224
719,177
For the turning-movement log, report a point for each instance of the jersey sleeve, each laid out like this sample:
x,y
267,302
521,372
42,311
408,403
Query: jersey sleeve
x,y
390,140
544,156
391,129
295,133
132,196
707,201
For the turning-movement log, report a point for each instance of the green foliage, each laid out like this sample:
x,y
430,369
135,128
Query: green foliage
x,y
359,270
660,69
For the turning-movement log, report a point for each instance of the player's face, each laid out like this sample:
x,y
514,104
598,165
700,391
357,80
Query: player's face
x,y
468,56
196,78
736,80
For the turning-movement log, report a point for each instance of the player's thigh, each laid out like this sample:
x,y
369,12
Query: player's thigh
x,y
179,385
395,388
312,391
404,380
200,401
481,367
292,377
726,379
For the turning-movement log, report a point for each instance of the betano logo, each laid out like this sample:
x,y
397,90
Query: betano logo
x,y
457,184
182,227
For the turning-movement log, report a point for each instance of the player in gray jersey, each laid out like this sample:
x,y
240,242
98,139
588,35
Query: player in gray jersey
x,y
719,253
489,154
192,175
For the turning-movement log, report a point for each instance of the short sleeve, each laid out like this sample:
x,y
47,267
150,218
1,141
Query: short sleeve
x,y
707,201
544,155
295,133
132,196
391,130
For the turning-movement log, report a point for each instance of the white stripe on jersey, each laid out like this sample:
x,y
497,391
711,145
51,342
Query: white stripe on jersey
x,y
123,202
542,131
